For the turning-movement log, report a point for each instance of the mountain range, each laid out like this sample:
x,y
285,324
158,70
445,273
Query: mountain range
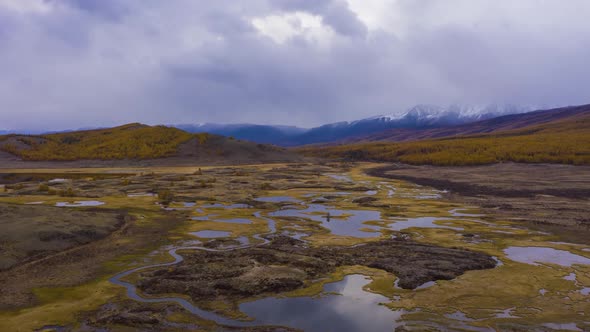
x,y
559,135
485,126
417,117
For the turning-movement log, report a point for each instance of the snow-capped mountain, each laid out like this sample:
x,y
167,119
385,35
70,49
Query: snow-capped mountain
x,y
455,114
417,117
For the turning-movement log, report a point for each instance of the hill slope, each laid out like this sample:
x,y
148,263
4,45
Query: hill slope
x,y
266,134
136,142
501,123
564,137
132,141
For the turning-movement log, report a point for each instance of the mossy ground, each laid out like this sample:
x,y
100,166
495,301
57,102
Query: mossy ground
x,y
480,295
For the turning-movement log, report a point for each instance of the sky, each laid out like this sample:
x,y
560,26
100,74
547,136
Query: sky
x,y
92,63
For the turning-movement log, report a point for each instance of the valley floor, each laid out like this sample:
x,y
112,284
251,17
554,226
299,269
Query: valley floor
x,y
286,247
546,196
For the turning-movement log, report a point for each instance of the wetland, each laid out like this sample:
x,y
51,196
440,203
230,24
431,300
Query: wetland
x,y
281,247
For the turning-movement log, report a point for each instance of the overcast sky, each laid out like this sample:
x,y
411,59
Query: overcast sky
x,y
87,63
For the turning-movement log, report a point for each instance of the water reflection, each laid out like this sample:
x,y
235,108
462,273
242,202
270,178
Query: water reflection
x,y
339,222
243,221
227,207
536,255
422,222
211,234
352,310
79,203
278,199
340,177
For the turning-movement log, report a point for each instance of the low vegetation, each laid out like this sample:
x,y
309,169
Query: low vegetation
x,y
165,197
566,142
132,141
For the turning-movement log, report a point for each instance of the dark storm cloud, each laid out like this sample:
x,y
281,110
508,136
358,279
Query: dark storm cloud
x,y
73,63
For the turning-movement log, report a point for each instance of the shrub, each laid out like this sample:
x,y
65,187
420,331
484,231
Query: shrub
x,y
266,186
67,193
165,197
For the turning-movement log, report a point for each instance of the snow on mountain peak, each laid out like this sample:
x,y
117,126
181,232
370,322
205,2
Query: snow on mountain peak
x,y
458,111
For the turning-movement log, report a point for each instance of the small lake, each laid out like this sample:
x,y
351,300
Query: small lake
x,y
421,222
141,194
278,199
340,177
211,234
340,222
539,255
351,309
79,203
229,206
350,222
234,221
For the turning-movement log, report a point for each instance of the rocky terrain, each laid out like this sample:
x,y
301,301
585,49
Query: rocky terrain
x,y
286,264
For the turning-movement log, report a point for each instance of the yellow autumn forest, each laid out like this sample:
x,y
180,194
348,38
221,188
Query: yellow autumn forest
x,y
566,142
133,141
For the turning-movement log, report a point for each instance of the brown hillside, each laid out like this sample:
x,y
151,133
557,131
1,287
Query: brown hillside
x,y
133,144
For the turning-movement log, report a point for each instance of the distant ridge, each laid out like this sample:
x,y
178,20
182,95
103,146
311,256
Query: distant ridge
x,y
136,142
417,117
501,123
251,132
552,136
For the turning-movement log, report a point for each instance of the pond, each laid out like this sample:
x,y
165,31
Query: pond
x,y
538,255
345,306
278,199
339,222
243,221
352,222
421,222
144,194
229,206
211,234
340,177
79,203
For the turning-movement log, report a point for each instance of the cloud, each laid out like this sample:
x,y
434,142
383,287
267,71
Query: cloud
x,y
72,63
